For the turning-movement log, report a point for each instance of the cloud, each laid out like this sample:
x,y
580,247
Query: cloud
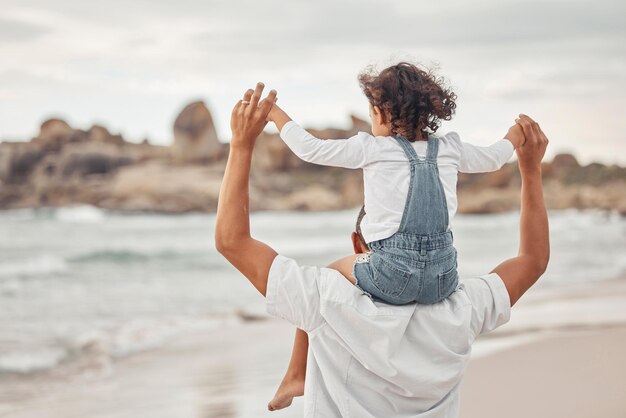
x,y
155,54
19,31
486,24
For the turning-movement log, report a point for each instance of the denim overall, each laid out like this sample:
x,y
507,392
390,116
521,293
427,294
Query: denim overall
x,y
417,263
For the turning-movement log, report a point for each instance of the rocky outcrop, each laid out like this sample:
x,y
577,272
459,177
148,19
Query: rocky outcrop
x,y
67,166
153,186
195,137
86,164
101,134
63,165
567,185
54,130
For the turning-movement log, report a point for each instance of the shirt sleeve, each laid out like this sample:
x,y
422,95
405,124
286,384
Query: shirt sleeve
x,y
491,306
477,159
346,153
293,293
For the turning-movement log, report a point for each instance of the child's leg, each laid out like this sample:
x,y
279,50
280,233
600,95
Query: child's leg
x,y
293,382
344,266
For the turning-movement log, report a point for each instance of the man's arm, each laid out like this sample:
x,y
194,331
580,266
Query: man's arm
x,y
521,272
232,225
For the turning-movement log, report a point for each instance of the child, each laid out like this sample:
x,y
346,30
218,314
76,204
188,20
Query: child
x,y
410,177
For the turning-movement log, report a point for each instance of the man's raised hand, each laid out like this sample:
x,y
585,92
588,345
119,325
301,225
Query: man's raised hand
x,y
521,272
249,116
531,153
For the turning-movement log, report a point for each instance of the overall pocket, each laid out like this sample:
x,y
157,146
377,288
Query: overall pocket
x,y
448,281
389,276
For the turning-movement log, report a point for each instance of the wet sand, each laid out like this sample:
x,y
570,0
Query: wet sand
x,y
560,356
227,373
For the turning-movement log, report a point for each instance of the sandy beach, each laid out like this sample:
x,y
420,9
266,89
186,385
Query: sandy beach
x,y
577,374
560,356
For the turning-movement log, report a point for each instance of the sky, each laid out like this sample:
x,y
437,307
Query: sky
x,y
133,65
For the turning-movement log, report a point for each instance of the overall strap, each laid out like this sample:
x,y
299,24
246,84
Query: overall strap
x,y
408,149
425,210
432,149
410,153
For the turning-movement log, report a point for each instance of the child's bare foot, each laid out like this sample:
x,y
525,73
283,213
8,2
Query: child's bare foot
x,y
289,388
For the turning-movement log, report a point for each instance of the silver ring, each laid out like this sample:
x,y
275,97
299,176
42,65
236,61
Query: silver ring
x,y
245,102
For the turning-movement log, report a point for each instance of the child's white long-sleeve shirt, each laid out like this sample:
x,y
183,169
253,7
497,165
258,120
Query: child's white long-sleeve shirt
x,y
386,169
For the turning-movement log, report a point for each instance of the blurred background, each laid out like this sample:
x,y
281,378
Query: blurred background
x,y
114,131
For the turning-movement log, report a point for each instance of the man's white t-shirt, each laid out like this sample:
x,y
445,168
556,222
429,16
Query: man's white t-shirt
x,y
386,169
368,359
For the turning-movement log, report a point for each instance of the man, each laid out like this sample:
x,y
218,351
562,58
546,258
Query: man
x,y
368,359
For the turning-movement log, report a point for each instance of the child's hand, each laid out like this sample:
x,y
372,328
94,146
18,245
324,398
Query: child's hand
x,y
271,117
278,116
516,136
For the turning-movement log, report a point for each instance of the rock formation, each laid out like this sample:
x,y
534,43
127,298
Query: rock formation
x,y
195,137
54,129
63,165
68,166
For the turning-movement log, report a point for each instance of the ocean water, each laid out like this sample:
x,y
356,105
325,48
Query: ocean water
x,y
79,279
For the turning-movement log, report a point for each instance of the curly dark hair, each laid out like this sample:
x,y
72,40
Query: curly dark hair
x,y
413,99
